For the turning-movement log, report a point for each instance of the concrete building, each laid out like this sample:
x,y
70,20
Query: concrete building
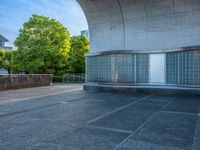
x,y
3,40
140,42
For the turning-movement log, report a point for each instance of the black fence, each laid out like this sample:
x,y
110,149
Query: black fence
x,y
70,78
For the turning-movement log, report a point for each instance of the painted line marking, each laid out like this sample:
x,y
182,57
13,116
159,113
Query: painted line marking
x,y
40,107
110,129
116,110
126,139
196,133
28,110
64,102
180,113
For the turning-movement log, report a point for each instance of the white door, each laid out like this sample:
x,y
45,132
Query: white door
x,y
157,68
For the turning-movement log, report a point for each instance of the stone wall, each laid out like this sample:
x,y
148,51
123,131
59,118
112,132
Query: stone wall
x,y
24,81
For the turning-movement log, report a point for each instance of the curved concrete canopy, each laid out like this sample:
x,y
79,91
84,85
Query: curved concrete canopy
x,y
150,25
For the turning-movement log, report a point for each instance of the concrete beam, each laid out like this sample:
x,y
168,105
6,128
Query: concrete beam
x,y
153,25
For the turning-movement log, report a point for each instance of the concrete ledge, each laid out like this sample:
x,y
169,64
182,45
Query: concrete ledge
x,y
180,49
141,89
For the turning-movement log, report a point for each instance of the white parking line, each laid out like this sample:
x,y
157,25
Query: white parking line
x,y
64,102
110,129
116,110
180,113
126,139
196,133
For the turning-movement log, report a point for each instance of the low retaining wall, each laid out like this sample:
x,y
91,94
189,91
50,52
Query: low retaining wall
x,y
24,81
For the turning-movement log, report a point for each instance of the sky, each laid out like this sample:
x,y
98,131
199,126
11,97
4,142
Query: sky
x,y
13,13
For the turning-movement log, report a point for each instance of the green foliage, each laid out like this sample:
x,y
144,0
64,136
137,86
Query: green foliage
x,y
43,46
79,48
6,60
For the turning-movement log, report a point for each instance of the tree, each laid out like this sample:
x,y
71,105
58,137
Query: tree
x,y
6,61
43,46
79,48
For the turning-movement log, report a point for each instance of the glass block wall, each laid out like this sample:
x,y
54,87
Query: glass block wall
x,y
183,68
172,68
118,68
142,68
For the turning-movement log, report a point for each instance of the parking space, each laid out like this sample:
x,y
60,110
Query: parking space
x,y
80,120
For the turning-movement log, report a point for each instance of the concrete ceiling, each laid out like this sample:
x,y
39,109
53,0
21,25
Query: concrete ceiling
x,y
150,25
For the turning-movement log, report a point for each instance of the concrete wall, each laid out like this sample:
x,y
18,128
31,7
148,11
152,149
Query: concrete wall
x,y
23,81
150,25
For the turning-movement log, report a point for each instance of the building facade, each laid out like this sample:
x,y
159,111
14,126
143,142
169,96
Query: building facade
x,y
140,42
3,40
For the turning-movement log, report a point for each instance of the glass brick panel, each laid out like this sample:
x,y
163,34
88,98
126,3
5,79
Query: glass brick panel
x,y
172,68
118,68
142,68
183,68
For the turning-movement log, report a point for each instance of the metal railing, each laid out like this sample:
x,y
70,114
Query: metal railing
x,y
74,77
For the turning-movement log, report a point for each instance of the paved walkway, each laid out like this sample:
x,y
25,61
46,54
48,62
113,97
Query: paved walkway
x,y
79,120
30,93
